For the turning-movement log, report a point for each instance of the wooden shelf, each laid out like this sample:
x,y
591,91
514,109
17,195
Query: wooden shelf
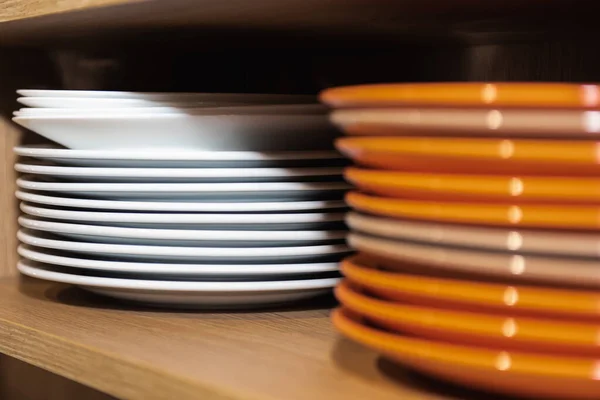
x,y
31,21
148,354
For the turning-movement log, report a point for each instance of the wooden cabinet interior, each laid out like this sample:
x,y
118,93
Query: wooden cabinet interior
x,y
304,48
171,64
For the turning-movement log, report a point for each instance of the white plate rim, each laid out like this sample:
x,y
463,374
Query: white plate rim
x,y
182,251
176,286
182,218
110,94
37,254
180,234
26,182
175,173
174,155
179,206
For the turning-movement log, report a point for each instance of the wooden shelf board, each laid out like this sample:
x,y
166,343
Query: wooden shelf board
x,y
140,353
28,21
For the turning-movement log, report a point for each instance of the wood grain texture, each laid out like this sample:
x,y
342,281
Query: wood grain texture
x,y
138,353
21,381
9,137
19,9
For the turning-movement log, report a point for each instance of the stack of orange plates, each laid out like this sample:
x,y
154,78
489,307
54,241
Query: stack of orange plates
x,y
477,222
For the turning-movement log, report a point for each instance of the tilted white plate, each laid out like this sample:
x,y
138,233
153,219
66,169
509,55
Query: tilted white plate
x,y
188,293
289,221
211,129
189,109
181,174
180,158
182,237
299,254
192,191
151,270
181,206
264,98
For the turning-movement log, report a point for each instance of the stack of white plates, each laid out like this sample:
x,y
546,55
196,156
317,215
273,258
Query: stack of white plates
x,y
203,200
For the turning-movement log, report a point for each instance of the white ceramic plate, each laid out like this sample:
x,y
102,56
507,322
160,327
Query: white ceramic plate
x,y
498,239
298,254
116,104
182,237
180,158
207,130
187,293
182,206
182,174
251,222
514,267
192,191
264,98
69,103
152,270
236,109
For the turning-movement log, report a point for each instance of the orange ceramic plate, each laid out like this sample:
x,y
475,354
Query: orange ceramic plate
x,y
419,257
530,95
510,372
468,122
581,217
515,189
480,329
476,155
471,295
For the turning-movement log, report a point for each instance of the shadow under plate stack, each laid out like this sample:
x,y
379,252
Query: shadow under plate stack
x,y
189,200
476,221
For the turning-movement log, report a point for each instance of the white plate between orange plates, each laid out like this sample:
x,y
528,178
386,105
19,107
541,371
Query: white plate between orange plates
x,y
515,267
192,191
180,158
151,270
182,174
223,206
299,254
187,293
238,221
183,237
562,243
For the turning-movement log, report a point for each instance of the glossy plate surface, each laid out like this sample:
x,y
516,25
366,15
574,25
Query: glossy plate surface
x,y
216,130
556,216
195,191
216,206
178,158
182,237
468,122
506,188
476,94
510,372
471,294
514,241
126,252
95,174
187,293
158,220
516,267
506,332
168,96
154,270
475,155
